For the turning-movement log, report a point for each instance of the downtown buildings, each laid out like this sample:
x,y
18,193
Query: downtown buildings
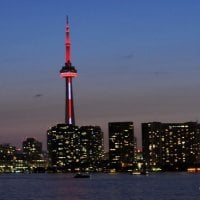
x,y
121,146
166,147
81,149
29,159
73,148
171,146
7,153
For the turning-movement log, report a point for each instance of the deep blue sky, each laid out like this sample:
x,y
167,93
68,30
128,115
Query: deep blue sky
x,y
138,60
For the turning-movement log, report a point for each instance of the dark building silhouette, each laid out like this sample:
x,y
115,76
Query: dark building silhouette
x,y
121,146
170,146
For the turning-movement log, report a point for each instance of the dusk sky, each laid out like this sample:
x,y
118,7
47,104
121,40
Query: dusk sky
x,y
137,60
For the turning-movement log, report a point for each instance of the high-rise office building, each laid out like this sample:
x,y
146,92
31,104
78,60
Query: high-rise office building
x,y
75,149
63,143
91,148
170,146
121,146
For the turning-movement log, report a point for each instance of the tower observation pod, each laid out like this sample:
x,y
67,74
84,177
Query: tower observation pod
x,y
68,72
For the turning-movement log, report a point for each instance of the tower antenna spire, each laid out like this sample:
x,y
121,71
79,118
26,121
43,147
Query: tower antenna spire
x,y
67,20
67,44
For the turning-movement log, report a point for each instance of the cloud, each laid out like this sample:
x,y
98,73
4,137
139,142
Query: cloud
x,y
161,73
128,56
38,95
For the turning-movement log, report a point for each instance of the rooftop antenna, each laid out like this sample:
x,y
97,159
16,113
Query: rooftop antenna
x,y
67,21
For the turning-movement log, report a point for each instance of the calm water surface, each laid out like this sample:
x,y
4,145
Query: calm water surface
x,y
166,186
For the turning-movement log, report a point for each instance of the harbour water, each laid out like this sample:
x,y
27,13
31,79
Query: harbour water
x,y
162,186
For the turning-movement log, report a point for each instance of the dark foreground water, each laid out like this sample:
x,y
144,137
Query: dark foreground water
x,y
166,186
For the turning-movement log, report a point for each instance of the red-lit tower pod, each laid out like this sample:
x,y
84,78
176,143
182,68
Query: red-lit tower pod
x,y
68,72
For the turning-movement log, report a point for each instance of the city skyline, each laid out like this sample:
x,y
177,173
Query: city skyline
x,y
137,61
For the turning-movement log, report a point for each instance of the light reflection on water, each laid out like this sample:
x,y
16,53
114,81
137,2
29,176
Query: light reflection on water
x,y
166,186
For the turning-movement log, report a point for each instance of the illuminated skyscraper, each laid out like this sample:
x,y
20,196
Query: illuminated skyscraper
x,y
63,144
68,72
72,148
91,148
170,146
121,145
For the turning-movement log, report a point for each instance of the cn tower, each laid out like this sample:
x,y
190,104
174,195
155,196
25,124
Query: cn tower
x,y
68,72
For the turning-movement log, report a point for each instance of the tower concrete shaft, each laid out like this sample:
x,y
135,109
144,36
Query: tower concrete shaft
x,y
68,72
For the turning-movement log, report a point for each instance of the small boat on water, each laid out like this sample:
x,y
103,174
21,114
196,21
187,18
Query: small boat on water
x,y
140,173
81,175
136,173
